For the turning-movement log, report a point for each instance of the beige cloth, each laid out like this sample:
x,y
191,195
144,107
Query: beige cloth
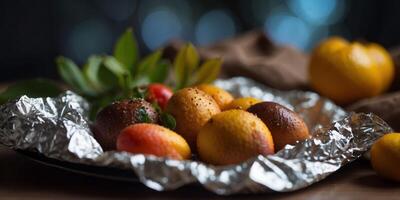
x,y
255,56
385,106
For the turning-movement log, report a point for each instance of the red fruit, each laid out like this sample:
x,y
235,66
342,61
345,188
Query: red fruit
x,y
159,93
153,139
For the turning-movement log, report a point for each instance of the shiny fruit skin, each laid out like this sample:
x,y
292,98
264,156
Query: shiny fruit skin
x,y
346,72
152,139
385,156
384,62
286,126
118,115
192,108
232,137
157,92
242,103
222,97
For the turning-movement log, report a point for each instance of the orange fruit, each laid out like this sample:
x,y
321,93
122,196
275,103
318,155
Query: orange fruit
x,y
242,103
222,97
385,156
153,139
192,108
384,62
346,72
233,136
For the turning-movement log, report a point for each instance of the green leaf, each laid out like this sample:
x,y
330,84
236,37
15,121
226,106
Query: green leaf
x,y
118,70
191,58
185,63
91,72
32,88
208,71
181,72
148,63
143,116
125,50
108,78
168,121
160,72
73,76
153,69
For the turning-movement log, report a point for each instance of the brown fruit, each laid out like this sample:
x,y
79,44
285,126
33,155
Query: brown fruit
x,y
192,108
115,117
286,126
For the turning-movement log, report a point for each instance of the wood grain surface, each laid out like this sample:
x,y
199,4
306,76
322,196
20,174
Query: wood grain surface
x,y
22,178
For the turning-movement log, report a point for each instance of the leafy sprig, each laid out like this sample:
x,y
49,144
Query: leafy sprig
x,y
187,69
106,78
166,119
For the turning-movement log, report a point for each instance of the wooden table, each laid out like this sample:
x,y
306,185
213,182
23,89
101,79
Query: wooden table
x,y
22,178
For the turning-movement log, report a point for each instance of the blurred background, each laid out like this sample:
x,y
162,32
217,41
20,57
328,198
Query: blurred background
x,y
33,33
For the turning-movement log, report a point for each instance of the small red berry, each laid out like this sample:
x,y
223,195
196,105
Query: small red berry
x,y
159,93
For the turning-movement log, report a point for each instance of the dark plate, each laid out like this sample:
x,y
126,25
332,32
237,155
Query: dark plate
x,y
102,172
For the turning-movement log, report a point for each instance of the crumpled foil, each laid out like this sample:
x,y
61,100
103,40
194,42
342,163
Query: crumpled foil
x,y
58,128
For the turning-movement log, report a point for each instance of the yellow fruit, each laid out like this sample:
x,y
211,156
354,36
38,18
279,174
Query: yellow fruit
x,y
192,108
242,103
233,136
346,72
385,156
384,62
222,97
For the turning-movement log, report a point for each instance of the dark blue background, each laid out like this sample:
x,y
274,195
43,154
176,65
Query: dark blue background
x,y
33,33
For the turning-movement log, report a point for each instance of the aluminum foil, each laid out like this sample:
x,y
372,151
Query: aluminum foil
x,y
59,128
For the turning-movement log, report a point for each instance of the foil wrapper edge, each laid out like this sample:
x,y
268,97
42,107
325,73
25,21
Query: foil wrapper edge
x,y
59,128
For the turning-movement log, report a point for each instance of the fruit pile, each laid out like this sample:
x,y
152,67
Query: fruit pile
x,y
206,121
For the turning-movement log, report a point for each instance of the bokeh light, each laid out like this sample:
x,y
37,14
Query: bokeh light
x,y
87,38
318,12
160,26
214,26
284,28
176,21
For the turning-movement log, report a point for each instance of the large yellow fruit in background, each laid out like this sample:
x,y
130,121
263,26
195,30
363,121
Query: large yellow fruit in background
x,y
384,62
346,72
385,156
